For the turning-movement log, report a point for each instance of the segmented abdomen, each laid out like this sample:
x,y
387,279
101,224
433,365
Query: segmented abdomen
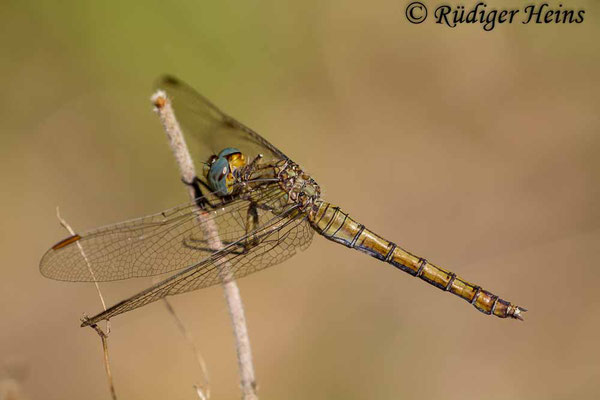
x,y
336,225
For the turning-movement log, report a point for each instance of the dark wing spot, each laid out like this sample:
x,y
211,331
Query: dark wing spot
x,y
66,242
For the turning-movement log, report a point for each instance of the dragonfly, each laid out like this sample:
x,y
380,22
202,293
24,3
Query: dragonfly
x,y
254,208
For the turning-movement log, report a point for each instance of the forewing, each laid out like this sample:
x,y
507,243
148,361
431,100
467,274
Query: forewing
x,y
213,129
152,245
278,240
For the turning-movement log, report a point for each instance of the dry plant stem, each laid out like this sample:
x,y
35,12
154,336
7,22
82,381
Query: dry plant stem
x,y
203,390
200,393
65,225
232,294
104,338
99,331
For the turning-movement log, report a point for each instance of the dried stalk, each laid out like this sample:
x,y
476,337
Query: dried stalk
x,y
203,391
232,294
103,335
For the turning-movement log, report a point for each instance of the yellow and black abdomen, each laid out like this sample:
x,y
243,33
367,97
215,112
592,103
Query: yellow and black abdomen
x,y
337,226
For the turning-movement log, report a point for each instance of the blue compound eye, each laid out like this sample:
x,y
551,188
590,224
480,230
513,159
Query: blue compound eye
x,y
220,174
228,151
217,176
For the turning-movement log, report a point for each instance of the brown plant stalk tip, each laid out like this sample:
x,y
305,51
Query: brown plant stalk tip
x,y
165,112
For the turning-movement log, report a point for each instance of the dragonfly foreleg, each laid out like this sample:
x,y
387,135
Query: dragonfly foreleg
x,y
249,240
254,161
202,245
201,199
251,225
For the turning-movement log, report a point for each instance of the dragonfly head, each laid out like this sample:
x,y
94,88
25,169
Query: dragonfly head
x,y
220,170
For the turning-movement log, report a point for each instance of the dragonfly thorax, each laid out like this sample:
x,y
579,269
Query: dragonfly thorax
x,y
300,187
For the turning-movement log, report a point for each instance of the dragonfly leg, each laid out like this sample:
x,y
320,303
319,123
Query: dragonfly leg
x,y
250,239
251,224
202,245
201,200
254,161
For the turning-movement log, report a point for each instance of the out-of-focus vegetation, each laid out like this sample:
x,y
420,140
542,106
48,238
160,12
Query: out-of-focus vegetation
x,y
478,150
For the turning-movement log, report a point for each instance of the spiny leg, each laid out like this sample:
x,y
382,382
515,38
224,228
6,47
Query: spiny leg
x,y
201,199
255,160
198,244
251,225
250,237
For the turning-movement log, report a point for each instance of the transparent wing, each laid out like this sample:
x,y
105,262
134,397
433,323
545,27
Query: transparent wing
x,y
214,129
277,240
155,244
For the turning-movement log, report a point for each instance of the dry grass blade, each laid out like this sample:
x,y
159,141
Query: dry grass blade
x,y
103,335
203,390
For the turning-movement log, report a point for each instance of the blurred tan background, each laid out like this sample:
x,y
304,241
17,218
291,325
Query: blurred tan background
x,y
478,150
